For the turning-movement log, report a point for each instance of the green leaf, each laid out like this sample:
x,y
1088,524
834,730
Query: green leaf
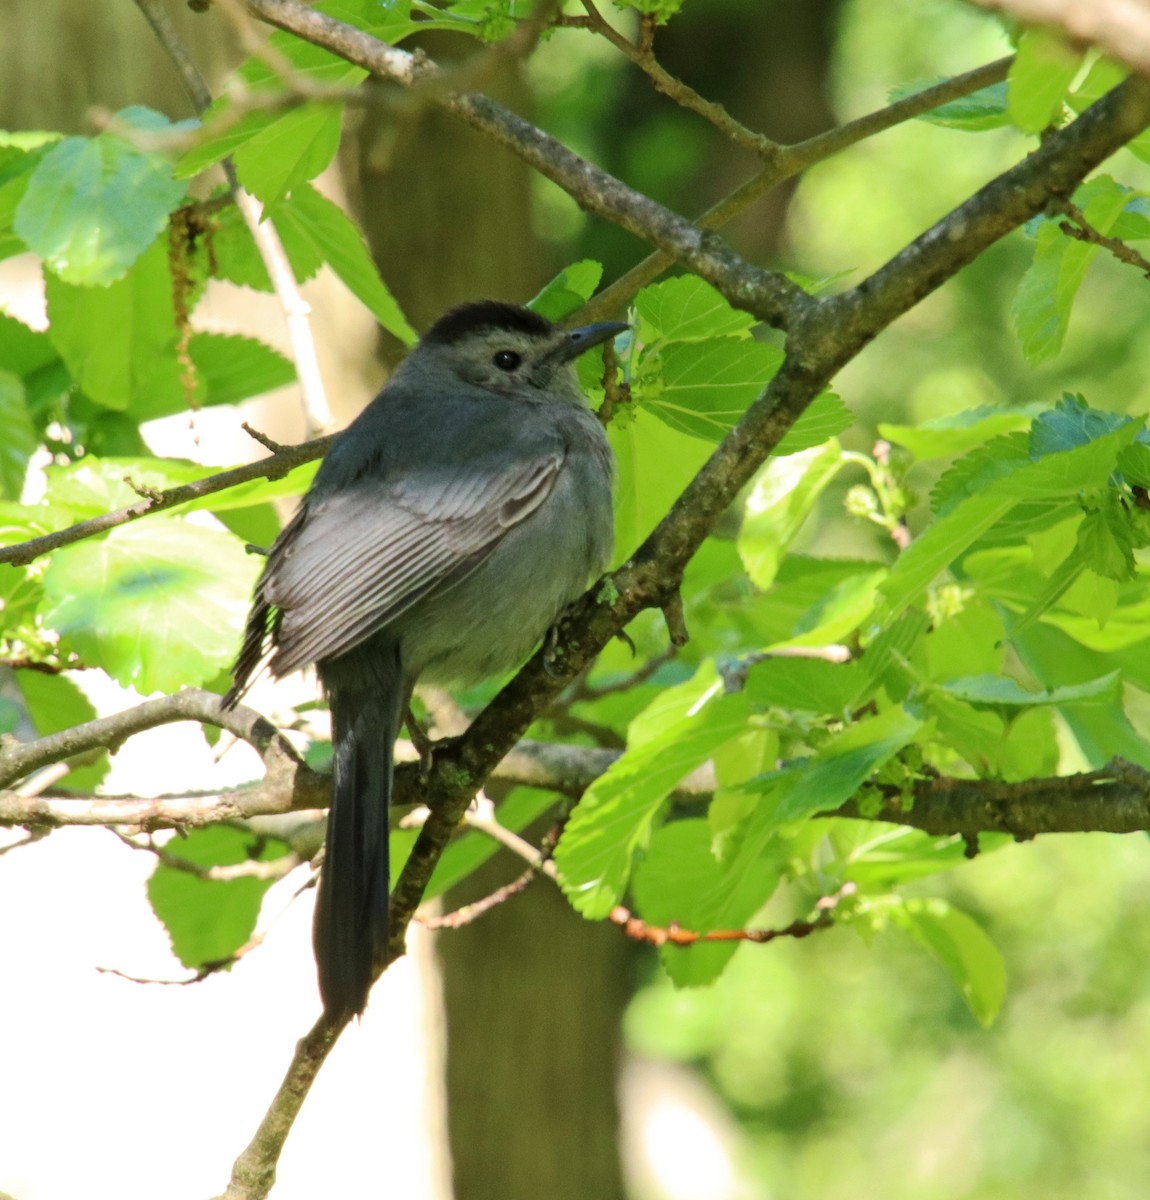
x,y
680,881
656,462
984,109
686,309
613,821
661,10
23,350
54,703
209,920
997,691
94,205
837,614
158,604
230,368
1070,423
707,386
938,546
1039,78
1042,305
807,684
824,418
972,474
18,440
331,233
960,432
879,857
782,495
236,258
119,342
963,948
828,779
1106,543
289,151
568,291
310,64
1048,479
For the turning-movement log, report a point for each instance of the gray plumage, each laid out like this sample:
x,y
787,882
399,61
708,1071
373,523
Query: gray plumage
x,y
445,531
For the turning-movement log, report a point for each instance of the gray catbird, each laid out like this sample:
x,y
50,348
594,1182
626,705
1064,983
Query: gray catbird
x,y
445,531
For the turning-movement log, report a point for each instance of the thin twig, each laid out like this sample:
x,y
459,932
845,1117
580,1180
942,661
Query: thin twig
x,y
791,161
643,56
275,467
1077,226
675,935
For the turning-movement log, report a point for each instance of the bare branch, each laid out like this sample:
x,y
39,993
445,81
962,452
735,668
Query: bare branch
x,y
18,759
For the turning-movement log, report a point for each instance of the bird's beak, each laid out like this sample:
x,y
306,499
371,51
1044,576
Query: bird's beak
x,y
576,341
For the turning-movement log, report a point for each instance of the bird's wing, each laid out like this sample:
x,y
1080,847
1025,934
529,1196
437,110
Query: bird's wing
x,y
357,559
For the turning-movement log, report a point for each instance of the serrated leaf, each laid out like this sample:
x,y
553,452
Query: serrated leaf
x,y
958,433
18,440
119,342
568,291
1106,543
236,258
998,691
230,368
1047,480
672,736
157,604
963,948
332,234
1071,422
687,309
996,459
94,205
290,151
1040,77
707,386
824,418
209,920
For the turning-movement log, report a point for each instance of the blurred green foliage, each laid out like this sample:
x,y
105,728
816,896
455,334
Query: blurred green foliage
x,y
957,533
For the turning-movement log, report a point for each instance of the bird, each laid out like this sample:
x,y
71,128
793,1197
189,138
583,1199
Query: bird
x,y
447,528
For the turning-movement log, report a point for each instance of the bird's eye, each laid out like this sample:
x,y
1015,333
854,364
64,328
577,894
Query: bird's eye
x,y
506,360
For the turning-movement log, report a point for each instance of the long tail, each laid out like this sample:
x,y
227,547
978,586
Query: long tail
x,y
366,692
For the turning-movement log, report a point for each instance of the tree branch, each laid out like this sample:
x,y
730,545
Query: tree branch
x,y
768,294
274,467
1115,799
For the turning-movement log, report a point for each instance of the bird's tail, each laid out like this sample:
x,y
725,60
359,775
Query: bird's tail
x,y
350,932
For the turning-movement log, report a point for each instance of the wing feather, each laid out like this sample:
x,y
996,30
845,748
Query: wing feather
x,y
362,557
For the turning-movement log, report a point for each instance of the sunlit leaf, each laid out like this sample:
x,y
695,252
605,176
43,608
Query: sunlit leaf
x,y
158,604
